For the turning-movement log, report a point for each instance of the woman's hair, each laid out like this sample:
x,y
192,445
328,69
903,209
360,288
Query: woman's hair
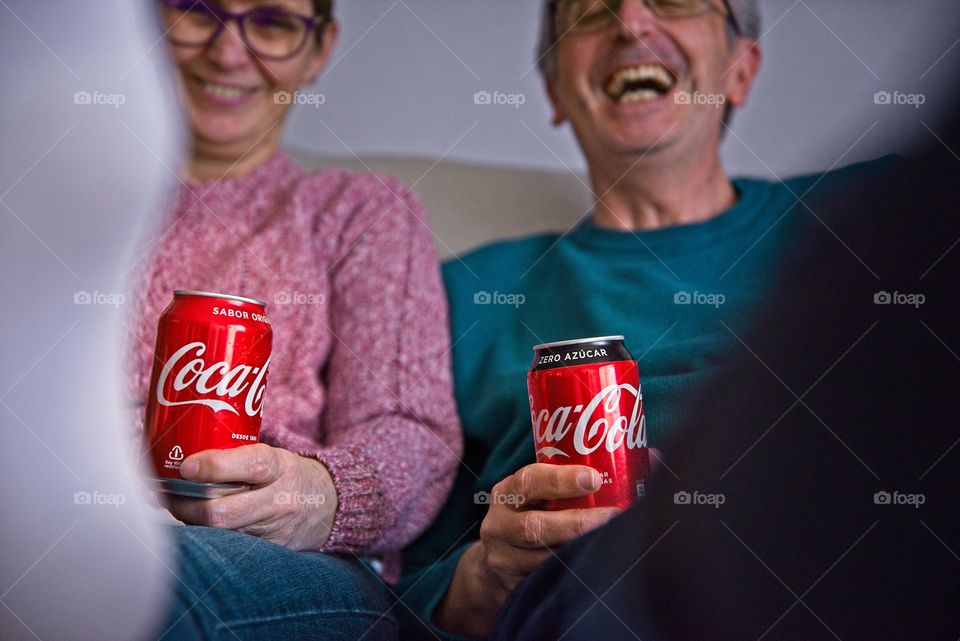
x,y
323,9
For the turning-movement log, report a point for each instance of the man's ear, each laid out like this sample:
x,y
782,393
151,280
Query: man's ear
x,y
559,115
321,55
746,58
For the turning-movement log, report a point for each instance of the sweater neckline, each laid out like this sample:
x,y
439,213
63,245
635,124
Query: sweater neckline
x,y
752,195
279,165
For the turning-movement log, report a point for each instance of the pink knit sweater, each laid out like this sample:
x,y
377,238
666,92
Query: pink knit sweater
x,y
360,373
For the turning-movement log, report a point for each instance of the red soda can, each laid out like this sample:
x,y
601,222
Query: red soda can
x,y
208,383
587,409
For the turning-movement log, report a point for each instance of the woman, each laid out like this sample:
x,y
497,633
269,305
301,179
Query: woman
x,y
359,428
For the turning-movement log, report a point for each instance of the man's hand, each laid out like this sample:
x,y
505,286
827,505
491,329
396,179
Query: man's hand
x,y
515,537
292,500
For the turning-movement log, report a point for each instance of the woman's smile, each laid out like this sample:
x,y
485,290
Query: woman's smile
x,y
225,94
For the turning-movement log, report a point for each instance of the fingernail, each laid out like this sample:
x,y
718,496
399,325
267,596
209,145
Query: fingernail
x,y
190,469
589,481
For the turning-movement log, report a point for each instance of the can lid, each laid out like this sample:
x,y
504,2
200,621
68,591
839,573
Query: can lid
x,y
242,299
577,341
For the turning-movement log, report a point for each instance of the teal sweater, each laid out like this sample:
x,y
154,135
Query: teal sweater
x,y
682,296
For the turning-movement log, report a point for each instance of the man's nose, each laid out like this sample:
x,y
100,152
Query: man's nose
x,y
635,19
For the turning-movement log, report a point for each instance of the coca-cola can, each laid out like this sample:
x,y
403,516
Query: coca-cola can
x,y
208,383
586,406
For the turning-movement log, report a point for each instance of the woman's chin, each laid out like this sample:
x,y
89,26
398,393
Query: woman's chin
x,y
221,132
230,128
219,138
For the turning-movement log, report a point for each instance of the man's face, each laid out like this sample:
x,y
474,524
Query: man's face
x,y
635,82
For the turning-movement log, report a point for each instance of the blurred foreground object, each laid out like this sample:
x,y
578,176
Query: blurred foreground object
x,y
88,133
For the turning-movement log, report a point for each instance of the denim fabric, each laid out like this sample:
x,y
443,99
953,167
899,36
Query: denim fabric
x,y
234,586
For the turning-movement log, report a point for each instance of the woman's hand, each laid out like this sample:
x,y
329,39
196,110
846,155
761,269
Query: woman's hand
x,y
292,500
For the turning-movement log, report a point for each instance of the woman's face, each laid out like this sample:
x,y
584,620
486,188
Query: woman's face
x,y
233,96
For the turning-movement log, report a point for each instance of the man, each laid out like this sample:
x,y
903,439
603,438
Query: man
x,y
675,256
830,467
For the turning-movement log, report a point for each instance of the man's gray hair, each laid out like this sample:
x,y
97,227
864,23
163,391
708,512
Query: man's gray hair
x,y
746,13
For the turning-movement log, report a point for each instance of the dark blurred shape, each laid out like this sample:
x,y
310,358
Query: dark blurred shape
x,y
839,513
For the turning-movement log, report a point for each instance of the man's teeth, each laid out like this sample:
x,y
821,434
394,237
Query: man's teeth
x,y
639,95
222,91
641,82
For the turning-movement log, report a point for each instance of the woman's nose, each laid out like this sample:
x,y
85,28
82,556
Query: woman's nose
x,y
228,49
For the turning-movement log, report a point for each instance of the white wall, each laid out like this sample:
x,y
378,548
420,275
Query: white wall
x,y
405,71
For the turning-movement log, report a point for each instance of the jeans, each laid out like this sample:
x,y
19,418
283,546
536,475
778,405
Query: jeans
x,y
237,587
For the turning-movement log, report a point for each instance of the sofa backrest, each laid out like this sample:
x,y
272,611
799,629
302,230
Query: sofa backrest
x,y
471,204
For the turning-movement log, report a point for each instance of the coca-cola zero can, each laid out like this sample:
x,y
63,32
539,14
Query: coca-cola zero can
x,y
586,406
208,383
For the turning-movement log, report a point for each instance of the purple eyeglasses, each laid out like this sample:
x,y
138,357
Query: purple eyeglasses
x,y
269,32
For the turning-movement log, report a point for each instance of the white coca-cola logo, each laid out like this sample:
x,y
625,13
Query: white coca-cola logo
x,y
217,380
551,427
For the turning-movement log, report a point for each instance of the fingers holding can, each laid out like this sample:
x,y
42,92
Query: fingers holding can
x,y
537,483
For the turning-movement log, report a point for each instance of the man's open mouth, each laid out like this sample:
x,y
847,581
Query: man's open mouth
x,y
639,83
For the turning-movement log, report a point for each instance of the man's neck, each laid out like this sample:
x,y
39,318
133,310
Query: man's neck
x,y
652,194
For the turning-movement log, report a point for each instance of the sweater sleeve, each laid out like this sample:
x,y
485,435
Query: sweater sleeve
x,y
392,437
